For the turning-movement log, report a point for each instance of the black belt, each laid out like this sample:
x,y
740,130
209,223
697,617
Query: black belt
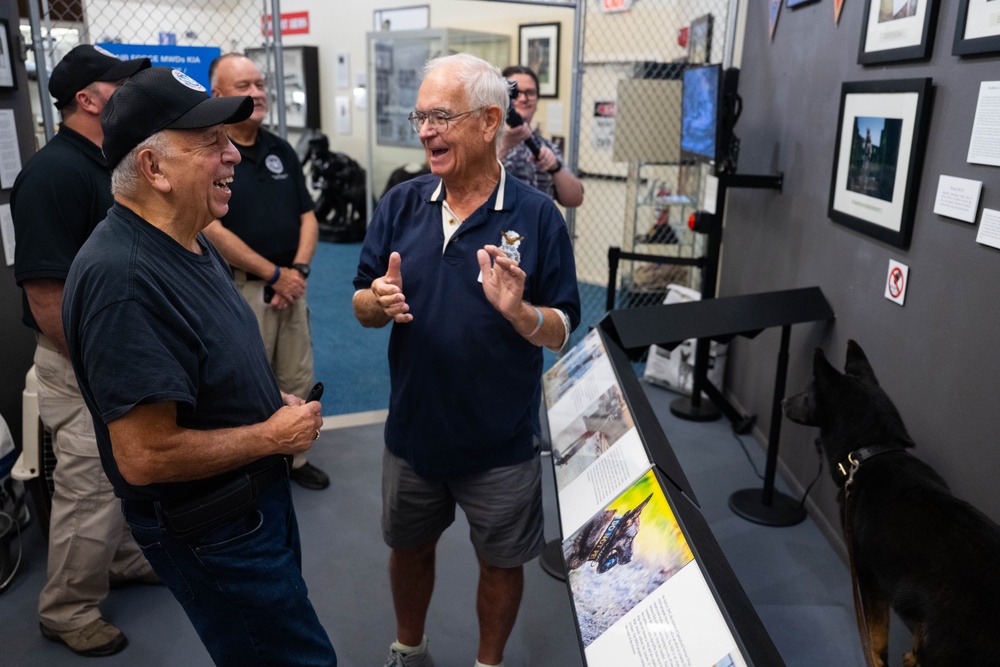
x,y
191,519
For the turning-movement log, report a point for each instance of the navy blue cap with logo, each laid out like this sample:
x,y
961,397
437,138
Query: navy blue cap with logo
x,y
161,98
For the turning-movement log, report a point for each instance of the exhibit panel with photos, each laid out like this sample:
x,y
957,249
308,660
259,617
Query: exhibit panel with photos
x,y
648,582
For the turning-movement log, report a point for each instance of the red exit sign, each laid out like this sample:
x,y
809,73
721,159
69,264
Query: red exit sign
x,y
616,5
293,23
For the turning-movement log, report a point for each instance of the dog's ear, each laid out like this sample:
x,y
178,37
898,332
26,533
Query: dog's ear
x,y
857,363
822,367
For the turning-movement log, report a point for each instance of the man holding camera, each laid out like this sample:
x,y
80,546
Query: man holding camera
x,y
523,151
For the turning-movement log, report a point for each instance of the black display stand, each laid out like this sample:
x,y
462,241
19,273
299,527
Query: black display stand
x,y
721,319
751,638
696,407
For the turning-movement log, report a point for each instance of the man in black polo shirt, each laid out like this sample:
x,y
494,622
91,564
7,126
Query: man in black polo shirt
x,y
269,237
58,199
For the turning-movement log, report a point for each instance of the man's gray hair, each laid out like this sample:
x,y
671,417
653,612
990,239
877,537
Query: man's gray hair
x,y
125,177
484,84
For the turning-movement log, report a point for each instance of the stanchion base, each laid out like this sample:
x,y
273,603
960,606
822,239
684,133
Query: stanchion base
x,y
551,560
703,412
783,511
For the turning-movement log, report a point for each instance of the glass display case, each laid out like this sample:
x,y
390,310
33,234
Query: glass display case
x,y
394,62
663,197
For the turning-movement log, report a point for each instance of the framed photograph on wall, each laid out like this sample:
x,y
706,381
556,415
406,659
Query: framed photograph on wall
x,y
700,41
879,151
896,30
539,50
7,78
300,66
417,17
977,29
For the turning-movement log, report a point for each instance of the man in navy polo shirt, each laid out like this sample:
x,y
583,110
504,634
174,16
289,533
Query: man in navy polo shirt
x,y
475,271
269,237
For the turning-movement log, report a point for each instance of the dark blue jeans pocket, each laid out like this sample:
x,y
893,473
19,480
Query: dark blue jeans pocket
x,y
163,563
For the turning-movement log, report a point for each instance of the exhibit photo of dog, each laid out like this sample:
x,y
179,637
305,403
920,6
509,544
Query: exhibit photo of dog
x,y
915,547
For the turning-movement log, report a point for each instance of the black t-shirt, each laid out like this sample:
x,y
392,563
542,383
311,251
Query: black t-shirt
x,y
148,321
269,198
59,197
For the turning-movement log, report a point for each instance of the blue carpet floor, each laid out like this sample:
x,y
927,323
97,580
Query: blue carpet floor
x,y
351,360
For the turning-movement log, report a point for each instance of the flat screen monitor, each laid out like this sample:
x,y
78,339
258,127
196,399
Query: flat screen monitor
x,y
709,109
700,106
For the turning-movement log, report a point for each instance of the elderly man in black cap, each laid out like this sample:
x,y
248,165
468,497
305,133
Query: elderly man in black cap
x,y
192,429
58,199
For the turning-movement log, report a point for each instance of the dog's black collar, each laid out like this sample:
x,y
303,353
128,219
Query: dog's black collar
x,y
854,459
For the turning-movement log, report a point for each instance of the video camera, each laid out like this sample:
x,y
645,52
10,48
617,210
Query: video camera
x,y
514,118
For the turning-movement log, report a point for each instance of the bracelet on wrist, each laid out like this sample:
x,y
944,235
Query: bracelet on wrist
x,y
277,274
537,326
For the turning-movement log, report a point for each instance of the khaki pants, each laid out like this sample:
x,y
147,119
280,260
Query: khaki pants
x,y
88,536
287,341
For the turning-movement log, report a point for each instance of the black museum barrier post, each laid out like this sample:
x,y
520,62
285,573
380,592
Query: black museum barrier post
x,y
695,407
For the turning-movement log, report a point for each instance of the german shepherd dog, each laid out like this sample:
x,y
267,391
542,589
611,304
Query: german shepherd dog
x,y
933,558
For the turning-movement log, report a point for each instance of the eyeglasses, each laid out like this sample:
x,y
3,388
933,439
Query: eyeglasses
x,y
528,94
436,120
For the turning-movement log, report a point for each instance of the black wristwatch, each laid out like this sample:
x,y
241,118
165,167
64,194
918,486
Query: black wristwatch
x,y
557,168
302,268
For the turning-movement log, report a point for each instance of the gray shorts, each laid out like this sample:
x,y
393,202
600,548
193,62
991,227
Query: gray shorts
x,y
503,507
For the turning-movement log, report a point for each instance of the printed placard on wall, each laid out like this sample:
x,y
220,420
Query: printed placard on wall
x,y
879,151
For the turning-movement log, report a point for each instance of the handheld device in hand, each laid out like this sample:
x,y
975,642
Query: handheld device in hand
x,y
514,119
315,393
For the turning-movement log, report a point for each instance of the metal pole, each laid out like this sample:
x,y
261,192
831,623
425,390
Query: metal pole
x,y
572,148
41,70
279,67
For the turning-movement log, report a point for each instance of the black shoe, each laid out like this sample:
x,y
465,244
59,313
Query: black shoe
x,y
310,477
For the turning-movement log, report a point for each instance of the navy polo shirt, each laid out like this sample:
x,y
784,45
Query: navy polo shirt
x,y
58,198
269,198
466,387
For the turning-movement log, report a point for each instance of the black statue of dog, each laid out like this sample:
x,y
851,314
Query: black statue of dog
x,y
933,558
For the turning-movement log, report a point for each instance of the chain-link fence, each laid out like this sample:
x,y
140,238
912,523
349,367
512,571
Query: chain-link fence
x,y
639,193
185,34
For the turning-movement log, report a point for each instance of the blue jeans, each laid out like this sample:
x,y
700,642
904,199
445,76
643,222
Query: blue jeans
x,y
241,585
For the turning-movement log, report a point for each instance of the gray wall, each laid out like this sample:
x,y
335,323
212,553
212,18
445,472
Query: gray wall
x,y
935,356
16,341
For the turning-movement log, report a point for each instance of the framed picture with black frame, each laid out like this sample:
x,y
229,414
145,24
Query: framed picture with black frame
x,y
881,133
897,31
7,77
301,72
977,30
539,50
700,41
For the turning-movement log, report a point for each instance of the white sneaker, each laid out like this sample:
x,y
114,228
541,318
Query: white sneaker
x,y
419,658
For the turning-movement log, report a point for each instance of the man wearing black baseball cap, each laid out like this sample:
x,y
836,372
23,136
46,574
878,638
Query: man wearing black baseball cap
x,y
192,429
85,65
58,199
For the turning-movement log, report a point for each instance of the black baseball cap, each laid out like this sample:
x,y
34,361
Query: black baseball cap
x,y
161,98
84,65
